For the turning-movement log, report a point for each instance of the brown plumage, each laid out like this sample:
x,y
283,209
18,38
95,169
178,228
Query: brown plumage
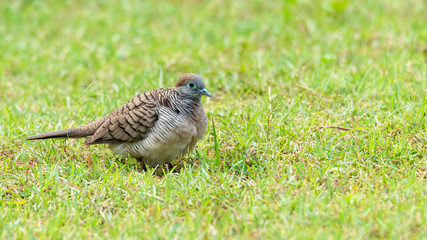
x,y
154,127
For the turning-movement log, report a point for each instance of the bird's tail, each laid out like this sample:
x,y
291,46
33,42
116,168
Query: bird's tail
x,y
78,132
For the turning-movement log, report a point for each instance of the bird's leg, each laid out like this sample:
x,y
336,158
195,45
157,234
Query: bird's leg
x,y
144,168
142,164
170,166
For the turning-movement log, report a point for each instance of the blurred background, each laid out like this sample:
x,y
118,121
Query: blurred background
x,y
239,47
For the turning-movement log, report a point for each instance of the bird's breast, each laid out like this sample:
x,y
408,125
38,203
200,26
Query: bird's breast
x,y
173,135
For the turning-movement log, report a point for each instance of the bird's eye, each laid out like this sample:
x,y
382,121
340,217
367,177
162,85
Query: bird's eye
x,y
191,84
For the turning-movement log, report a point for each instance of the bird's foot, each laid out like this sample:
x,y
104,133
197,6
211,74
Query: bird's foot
x,y
171,168
142,164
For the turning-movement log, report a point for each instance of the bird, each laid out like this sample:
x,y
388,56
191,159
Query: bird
x,y
155,127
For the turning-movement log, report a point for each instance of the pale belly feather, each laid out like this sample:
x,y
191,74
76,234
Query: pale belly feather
x,y
178,141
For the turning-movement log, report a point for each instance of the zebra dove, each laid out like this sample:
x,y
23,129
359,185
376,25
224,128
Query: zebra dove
x,y
155,127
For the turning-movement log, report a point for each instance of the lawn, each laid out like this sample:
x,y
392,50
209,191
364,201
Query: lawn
x,y
317,128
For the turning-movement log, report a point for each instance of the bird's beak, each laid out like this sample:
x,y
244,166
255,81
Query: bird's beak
x,y
205,92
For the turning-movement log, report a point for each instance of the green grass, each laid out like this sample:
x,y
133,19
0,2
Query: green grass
x,y
317,125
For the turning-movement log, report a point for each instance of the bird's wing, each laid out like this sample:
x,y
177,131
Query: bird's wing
x,y
131,122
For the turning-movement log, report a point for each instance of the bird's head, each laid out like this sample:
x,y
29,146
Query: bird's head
x,y
192,85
